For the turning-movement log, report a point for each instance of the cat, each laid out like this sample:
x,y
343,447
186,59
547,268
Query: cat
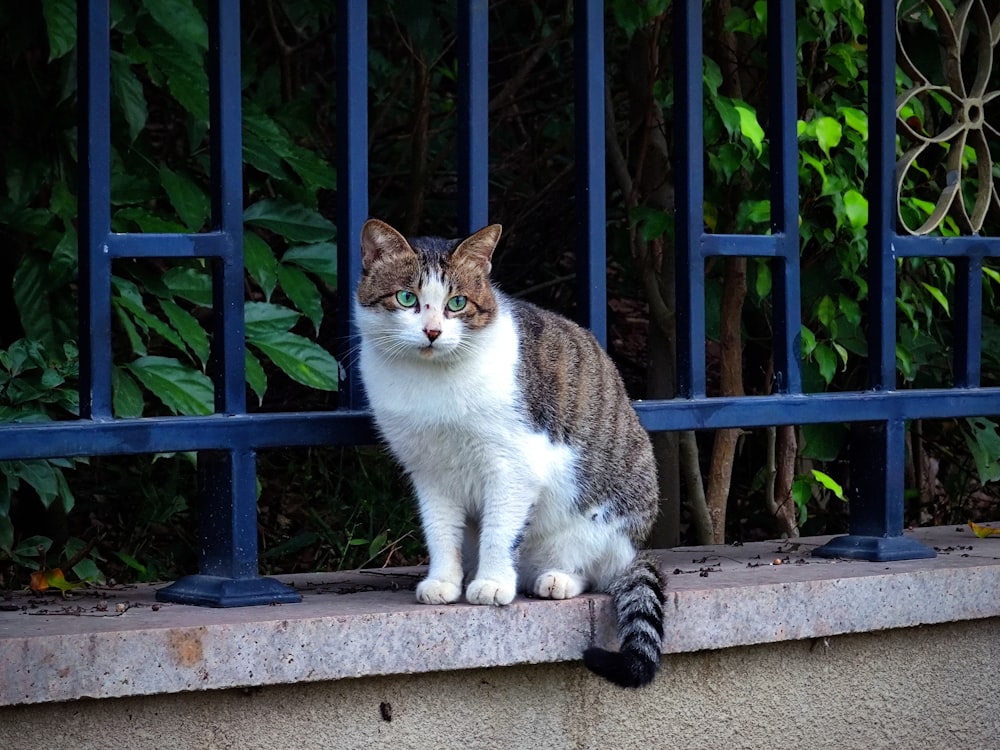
x,y
530,467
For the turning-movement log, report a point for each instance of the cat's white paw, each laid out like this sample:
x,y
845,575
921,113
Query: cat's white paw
x,y
434,591
558,585
485,591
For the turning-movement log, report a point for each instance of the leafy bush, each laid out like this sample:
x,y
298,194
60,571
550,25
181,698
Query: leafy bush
x,y
159,140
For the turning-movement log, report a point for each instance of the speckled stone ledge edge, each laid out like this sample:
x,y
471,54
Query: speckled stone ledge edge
x,y
120,642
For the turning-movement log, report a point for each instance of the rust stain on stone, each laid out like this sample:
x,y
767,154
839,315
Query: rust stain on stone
x,y
185,646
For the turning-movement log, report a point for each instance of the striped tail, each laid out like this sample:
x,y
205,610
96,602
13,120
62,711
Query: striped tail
x,y
638,598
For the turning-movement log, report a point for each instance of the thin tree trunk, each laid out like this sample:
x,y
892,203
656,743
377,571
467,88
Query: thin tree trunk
x,y
734,291
782,448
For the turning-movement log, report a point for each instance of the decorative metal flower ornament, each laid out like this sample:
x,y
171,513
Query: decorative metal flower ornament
x,y
965,105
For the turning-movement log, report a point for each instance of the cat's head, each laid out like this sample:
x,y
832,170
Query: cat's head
x,y
424,297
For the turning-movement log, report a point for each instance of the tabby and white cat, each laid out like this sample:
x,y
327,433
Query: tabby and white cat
x,y
530,466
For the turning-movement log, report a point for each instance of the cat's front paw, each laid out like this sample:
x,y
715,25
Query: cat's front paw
x,y
486,591
558,585
434,591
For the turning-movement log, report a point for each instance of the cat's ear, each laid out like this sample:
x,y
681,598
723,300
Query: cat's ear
x,y
379,239
479,247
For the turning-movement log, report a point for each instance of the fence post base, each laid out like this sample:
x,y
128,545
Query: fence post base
x,y
875,548
216,591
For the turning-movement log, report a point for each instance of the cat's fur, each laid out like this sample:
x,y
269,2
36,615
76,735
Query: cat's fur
x,y
530,466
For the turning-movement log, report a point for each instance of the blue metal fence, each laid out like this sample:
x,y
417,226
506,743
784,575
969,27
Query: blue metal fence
x,y
227,441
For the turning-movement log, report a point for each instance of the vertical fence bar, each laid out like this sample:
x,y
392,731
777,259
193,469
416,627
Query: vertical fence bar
x,y
473,115
228,553
881,196
689,201
352,178
230,544
94,104
591,201
878,449
968,321
785,195
227,480
226,148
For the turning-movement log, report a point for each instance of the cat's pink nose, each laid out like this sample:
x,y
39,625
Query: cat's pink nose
x,y
432,334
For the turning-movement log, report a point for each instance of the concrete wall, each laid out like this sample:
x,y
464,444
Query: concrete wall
x,y
929,687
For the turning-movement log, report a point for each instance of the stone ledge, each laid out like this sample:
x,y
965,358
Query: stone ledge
x,y
120,642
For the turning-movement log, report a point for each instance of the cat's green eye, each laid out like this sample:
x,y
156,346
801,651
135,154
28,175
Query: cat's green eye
x,y
406,298
457,303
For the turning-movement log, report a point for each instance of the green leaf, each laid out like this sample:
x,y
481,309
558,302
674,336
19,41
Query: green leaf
x,y
750,128
87,570
728,114
133,304
256,378
180,19
146,220
262,318
319,258
823,442
191,284
259,155
182,389
63,266
856,206
269,147
850,309
40,475
292,221
763,281
801,491
652,223
189,328
841,352
753,213
728,159
904,361
826,360
187,80
857,120
29,547
128,93
300,289
378,544
630,16
314,172
817,165
827,481
938,295
31,295
135,340
65,493
984,445
126,396
808,341
187,198
60,23
302,360
131,562
826,311
261,263
828,133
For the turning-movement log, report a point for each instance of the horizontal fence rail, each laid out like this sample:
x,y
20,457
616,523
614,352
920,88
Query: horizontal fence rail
x,y
227,441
